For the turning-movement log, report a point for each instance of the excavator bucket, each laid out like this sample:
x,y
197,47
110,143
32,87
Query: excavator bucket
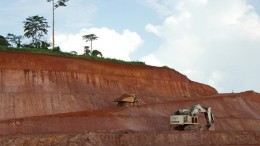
x,y
187,119
208,128
211,127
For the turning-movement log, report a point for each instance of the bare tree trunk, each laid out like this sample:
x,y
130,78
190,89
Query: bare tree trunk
x,y
53,42
91,46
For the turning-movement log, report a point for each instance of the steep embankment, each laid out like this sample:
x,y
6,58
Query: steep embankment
x,y
50,100
33,85
233,112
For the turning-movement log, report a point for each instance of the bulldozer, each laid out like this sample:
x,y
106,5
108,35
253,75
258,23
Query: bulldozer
x,y
126,100
188,119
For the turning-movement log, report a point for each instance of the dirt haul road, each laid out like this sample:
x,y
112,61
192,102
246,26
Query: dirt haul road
x,y
57,100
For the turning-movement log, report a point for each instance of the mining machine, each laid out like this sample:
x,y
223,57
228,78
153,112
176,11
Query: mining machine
x,y
187,119
126,100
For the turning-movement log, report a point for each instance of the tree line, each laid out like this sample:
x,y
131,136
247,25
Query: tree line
x,y
36,27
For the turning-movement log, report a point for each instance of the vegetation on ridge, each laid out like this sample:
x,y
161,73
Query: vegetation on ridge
x,y
60,53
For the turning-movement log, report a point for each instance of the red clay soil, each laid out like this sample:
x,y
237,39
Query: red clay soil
x,y
34,85
41,94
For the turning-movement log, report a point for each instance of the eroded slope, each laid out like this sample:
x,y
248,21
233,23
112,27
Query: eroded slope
x,y
41,96
33,85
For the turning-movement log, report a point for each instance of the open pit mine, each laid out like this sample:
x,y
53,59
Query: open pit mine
x,y
53,100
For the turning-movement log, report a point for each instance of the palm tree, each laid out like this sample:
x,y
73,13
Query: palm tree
x,y
35,27
90,37
55,5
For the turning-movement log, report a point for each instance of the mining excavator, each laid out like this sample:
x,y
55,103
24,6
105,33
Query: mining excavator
x,y
187,119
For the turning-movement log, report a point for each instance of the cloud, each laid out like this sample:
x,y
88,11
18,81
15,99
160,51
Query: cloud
x,y
151,60
212,41
111,43
215,79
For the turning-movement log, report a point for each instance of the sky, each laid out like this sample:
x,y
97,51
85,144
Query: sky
x,y
214,42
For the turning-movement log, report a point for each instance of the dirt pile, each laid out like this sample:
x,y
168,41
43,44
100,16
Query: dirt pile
x,y
42,94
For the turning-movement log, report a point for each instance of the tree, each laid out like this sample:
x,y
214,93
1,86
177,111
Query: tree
x,y
14,39
96,53
56,49
86,50
3,42
55,5
39,44
42,45
35,27
90,37
74,53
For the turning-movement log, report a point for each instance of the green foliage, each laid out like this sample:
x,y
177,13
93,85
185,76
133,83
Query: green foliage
x,y
28,45
90,37
96,53
86,50
123,62
72,54
44,45
58,3
35,27
35,50
38,44
56,49
14,39
3,42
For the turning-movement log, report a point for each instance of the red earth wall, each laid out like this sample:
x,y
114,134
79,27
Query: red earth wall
x,y
34,85
233,112
43,95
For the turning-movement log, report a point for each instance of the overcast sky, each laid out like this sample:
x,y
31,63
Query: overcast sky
x,y
215,42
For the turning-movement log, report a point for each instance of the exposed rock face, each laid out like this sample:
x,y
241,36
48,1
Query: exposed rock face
x,y
42,94
233,112
33,84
